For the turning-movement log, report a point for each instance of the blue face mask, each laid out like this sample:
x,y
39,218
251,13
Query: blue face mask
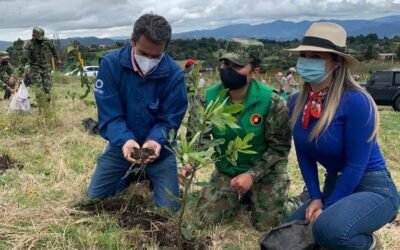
x,y
311,70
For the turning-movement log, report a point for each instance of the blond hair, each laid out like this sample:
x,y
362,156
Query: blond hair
x,y
342,80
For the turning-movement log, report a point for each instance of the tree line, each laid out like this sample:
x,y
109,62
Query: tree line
x,y
208,50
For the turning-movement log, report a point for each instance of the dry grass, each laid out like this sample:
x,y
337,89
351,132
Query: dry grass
x,y
36,203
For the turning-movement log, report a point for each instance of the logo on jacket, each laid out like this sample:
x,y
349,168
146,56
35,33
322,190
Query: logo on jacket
x,y
256,119
99,84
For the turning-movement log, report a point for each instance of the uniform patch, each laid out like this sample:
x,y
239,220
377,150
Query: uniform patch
x,y
256,119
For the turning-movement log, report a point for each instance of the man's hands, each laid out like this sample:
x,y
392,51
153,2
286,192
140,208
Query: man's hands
x,y
242,183
11,80
313,210
128,148
149,144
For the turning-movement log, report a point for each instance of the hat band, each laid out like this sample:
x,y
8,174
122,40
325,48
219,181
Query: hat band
x,y
320,42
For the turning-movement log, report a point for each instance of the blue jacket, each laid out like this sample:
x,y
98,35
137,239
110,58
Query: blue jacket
x,y
132,107
343,147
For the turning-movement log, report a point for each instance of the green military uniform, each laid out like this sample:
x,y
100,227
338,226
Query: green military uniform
x,y
37,54
6,71
265,114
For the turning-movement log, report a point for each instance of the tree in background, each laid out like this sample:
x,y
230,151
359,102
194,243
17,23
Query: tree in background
x,y
369,53
15,52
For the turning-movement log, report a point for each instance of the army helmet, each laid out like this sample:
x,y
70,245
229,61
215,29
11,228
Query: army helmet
x,y
38,33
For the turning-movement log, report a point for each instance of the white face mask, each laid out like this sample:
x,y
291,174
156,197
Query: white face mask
x,y
146,64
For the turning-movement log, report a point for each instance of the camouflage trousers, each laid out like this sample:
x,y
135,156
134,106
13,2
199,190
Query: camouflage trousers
x,y
42,86
41,79
7,93
269,200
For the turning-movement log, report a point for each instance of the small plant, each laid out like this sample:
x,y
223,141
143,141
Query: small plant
x,y
86,82
198,149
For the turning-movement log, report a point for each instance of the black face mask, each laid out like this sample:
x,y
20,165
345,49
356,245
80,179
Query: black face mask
x,y
232,79
4,62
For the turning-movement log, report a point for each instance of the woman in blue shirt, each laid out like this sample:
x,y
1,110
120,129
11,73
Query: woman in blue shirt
x,y
335,123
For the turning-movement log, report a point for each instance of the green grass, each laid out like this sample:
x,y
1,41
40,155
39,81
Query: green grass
x,y
37,202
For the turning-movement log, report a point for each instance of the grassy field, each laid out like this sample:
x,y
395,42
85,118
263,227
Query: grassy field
x,y
38,203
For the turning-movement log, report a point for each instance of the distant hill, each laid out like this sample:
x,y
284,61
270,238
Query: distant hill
x,y
4,45
286,30
277,30
87,41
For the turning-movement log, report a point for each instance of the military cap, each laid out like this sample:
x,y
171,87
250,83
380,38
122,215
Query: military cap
x,y
243,51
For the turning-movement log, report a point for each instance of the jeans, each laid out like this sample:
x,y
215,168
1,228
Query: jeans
x,y
349,223
107,179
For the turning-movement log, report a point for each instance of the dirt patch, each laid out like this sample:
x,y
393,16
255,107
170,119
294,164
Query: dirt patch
x,y
154,226
7,163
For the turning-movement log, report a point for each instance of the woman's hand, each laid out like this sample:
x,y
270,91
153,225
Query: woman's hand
x,y
313,210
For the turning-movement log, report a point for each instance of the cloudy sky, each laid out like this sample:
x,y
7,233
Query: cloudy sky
x,y
106,18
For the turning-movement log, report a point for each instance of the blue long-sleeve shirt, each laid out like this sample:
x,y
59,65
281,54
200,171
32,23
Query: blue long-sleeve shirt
x,y
343,147
134,107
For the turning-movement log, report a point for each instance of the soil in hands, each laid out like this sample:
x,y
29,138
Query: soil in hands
x,y
141,154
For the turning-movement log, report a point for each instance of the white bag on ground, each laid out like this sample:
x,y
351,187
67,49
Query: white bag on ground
x,y
20,100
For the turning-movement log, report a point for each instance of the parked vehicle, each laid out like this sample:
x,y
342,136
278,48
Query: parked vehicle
x,y
384,87
90,71
206,69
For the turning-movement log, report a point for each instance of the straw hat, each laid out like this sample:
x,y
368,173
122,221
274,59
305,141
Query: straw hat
x,y
326,37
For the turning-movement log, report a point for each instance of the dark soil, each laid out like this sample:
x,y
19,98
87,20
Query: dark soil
x,y
154,226
142,154
7,163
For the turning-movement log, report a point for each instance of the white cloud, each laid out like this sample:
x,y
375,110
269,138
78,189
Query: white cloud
x,y
111,18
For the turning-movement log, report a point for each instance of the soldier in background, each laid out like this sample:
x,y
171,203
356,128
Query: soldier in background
x,y
37,54
6,75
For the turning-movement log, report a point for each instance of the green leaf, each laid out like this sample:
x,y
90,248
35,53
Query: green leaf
x,y
195,225
200,157
194,139
235,155
238,142
185,158
201,183
218,123
248,137
187,233
232,161
234,108
171,196
215,142
70,49
233,125
248,152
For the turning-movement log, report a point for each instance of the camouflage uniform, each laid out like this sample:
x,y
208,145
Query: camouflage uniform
x,y
36,54
269,194
6,72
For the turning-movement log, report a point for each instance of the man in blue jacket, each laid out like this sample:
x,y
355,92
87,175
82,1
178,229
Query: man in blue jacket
x,y
141,95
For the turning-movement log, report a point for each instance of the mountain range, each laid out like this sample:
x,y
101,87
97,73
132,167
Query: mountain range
x,y
285,30
388,26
